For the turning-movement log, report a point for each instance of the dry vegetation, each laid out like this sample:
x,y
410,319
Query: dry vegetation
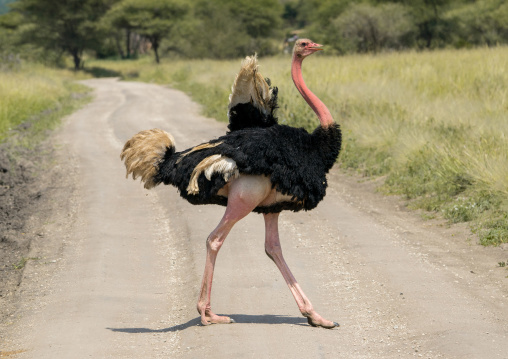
x,y
33,99
35,96
434,124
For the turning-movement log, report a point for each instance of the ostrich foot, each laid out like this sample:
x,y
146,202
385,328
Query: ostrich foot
x,y
316,320
208,317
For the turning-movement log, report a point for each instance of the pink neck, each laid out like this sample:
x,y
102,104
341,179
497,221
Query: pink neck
x,y
325,117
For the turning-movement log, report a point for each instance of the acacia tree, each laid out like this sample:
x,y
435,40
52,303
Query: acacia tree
x,y
153,19
64,25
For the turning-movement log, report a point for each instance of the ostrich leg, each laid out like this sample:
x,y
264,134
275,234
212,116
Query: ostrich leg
x,y
274,251
213,244
244,194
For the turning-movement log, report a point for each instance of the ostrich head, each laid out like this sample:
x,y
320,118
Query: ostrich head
x,y
305,47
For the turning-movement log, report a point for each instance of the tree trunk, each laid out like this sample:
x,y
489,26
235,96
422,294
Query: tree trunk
x,y
128,42
119,46
77,59
136,40
155,45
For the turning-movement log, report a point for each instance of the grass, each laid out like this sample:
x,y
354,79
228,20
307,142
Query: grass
x,y
23,261
433,124
34,98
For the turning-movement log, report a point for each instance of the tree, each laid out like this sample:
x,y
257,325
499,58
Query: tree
x,y
318,16
223,29
62,26
211,31
433,29
319,13
261,18
367,28
153,19
480,23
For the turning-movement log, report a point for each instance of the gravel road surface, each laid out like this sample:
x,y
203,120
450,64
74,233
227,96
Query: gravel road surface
x,y
116,269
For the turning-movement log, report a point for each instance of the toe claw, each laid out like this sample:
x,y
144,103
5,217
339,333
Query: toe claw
x,y
231,320
336,324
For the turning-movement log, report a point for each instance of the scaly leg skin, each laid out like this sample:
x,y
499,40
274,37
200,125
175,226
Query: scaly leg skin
x,y
213,244
244,194
274,251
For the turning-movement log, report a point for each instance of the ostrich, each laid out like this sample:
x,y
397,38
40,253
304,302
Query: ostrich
x,y
258,166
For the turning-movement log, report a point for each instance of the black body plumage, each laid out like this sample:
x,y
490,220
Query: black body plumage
x,y
295,161
245,115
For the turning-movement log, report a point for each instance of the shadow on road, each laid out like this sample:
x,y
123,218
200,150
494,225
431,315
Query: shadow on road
x,y
239,319
99,72
267,319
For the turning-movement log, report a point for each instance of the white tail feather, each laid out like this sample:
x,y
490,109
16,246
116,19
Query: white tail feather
x,y
210,165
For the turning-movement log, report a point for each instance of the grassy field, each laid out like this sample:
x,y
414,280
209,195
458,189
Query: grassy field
x,y
433,124
36,97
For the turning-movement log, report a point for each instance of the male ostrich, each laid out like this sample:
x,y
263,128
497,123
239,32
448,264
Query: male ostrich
x,y
258,166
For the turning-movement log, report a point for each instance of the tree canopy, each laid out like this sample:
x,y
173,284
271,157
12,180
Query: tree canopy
x,y
232,28
153,19
62,26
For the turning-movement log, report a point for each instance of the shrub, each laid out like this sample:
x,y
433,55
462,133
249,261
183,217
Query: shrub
x,y
367,28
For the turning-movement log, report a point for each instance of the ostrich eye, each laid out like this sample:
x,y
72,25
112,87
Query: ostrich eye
x,y
304,44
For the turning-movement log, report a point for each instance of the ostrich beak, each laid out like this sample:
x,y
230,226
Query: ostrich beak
x,y
316,47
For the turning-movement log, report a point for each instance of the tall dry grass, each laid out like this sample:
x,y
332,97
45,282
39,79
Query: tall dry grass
x,y
34,92
434,124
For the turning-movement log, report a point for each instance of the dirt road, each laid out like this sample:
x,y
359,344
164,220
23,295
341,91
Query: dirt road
x,y
117,269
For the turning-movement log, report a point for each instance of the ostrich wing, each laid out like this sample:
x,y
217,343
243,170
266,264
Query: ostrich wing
x,y
252,101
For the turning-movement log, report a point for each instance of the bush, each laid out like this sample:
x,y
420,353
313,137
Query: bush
x,y
480,23
367,28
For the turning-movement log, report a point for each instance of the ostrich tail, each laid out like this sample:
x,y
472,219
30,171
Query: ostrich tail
x,y
144,152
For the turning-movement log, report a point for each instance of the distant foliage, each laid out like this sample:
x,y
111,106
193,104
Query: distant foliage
x,y
211,32
153,19
9,62
68,26
480,23
4,6
367,28
225,29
